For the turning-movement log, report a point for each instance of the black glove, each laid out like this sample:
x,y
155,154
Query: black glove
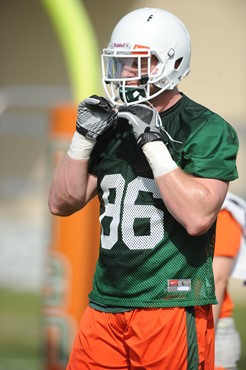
x,y
95,115
144,121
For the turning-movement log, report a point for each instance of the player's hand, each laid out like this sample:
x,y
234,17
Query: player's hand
x,y
95,115
146,127
144,121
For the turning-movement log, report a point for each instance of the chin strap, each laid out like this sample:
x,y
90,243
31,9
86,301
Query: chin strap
x,y
132,94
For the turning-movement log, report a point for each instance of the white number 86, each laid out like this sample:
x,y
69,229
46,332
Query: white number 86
x,y
124,211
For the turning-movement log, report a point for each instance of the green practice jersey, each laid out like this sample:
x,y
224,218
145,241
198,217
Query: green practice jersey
x,y
147,258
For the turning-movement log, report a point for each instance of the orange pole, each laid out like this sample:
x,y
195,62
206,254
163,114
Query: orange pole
x,y
72,256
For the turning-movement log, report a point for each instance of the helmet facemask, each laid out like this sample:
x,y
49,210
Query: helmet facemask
x,y
128,75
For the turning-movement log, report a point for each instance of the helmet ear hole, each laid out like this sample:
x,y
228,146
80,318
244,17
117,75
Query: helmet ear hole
x,y
177,63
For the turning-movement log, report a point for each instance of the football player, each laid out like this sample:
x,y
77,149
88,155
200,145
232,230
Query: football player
x,y
160,164
229,260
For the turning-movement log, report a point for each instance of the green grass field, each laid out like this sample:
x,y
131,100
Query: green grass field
x,y
20,331
21,340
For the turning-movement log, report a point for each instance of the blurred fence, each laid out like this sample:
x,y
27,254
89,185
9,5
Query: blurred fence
x,y
24,216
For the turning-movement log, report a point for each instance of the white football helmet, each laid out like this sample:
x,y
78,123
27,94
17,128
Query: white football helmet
x,y
137,37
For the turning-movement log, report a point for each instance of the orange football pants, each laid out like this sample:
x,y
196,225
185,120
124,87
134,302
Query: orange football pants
x,y
145,339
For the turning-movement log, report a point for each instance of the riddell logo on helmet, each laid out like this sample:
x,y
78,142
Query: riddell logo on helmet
x,y
121,45
155,71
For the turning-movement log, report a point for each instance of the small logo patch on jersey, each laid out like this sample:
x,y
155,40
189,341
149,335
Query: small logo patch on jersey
x,y
179,285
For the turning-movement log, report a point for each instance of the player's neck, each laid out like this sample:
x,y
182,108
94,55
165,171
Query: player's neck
x,y
166,100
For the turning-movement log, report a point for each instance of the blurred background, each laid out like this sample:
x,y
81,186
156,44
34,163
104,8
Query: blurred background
x,y
49,60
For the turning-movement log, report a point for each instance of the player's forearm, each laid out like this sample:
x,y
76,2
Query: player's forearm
x,y
68,192
194,202
222,267
220,287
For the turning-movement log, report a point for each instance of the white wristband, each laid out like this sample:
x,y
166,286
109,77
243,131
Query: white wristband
x,y
159,158
80,147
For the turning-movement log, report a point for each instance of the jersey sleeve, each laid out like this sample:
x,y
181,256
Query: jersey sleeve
x,y
93,163
211,152
96,155
228,235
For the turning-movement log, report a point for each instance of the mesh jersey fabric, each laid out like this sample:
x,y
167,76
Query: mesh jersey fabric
x,y
146,258
227,244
